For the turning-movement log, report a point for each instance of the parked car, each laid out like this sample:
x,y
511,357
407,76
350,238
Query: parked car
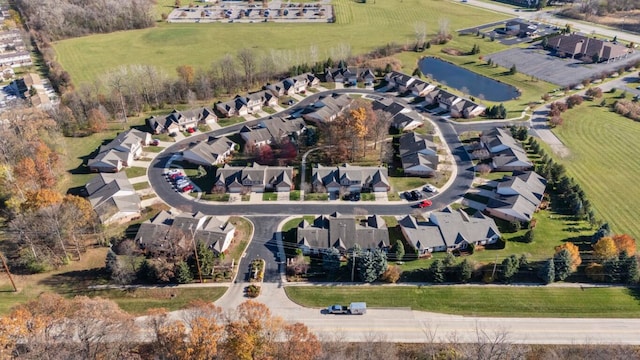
x,y
173,171
182,185
407,195
183,182
429,188
187,188
417,195
176,175
191,130
354,197
424,203
155,142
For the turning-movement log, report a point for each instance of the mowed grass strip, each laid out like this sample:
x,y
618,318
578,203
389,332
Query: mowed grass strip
x,y
504,301
138,301
603,147
362,26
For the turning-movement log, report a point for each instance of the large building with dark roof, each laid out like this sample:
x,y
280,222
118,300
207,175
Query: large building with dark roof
x,y
578,46
342,232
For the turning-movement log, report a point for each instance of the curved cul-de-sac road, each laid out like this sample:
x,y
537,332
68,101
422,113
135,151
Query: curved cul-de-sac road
x,y
393,325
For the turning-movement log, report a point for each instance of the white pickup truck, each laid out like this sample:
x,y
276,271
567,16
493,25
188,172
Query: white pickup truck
x,y
355,308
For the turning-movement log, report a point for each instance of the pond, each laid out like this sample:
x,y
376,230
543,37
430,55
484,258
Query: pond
x,y
467,81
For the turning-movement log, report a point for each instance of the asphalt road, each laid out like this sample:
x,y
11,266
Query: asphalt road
x,y
186,203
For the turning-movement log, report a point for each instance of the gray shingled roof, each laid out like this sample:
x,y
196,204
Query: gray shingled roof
x,y
343,232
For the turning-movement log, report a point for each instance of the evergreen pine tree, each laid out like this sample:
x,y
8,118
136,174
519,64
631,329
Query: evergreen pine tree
x,y
547,272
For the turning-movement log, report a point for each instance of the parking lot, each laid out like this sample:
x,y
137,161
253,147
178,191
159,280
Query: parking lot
x,y
240,11
560,71
493,30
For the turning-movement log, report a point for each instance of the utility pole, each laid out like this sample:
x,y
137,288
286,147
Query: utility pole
x,y
6,268
195,251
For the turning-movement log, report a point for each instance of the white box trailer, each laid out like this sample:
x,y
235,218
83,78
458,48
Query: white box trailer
x,y
358,308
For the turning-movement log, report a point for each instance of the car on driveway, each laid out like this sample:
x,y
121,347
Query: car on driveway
x,y
429,188
409,196
417,195
424,203
154,142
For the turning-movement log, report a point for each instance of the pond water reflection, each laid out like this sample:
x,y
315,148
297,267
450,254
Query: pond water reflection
x,y
467,81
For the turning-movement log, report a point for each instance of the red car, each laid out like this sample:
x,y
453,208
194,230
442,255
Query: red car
x,y
424,203
174,176
191,130
187,188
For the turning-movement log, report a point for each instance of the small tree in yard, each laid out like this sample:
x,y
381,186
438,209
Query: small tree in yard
x,y
513,70
183,273
574,100
562,264
547,272
399,250
331,261
465,271
436,271
528,236
509,267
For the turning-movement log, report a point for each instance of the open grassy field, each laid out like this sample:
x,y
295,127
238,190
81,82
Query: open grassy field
x,y
362,26
481,300
603,145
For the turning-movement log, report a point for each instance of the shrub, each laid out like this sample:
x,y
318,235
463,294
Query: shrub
x,y
574,100
252,291
391,275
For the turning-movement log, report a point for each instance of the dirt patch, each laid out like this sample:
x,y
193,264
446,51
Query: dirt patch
x,y
453,52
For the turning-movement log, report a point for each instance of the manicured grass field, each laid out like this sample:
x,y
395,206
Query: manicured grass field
x,y
603,147
362,26
481,300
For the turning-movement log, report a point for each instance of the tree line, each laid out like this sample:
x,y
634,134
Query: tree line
x,y
52,327
55,20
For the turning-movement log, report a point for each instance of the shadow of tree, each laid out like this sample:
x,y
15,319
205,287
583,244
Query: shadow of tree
x,y
75,282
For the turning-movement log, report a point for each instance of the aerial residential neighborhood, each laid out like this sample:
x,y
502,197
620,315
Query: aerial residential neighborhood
x,y
319,180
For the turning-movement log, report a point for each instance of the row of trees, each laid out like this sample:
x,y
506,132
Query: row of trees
x,y
53,327
569,193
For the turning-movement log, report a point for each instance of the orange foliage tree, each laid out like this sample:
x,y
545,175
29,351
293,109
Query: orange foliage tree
x,y
624,242
41,198
576,260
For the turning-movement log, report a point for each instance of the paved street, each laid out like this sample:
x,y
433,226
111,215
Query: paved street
x,y
394,325
547,16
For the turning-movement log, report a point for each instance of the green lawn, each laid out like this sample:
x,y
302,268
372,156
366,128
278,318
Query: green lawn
x,y
482,300
141,185
153,149
230,121
138,301
135,171
269,196
361,26
316,196
407,183
603,145
244,229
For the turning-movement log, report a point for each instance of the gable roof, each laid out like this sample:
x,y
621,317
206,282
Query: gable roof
x,y
211,151
343,232
109,194
412,142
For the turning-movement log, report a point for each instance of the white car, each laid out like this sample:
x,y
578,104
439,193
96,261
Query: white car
x,y
182,185
173,171
430,188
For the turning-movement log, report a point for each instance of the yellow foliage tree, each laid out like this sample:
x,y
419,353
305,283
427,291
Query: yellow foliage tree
x,y
576,260
605,248
40,199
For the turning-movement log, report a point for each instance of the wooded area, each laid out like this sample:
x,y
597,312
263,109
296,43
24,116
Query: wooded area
x,y
60,19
